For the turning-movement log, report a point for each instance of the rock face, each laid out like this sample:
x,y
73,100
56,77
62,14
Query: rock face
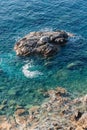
x,y
44,43
59,112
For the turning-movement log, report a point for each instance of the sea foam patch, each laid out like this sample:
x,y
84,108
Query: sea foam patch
x,y
26,69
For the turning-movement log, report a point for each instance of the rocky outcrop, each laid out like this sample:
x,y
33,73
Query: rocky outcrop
x,y
44,43
59,112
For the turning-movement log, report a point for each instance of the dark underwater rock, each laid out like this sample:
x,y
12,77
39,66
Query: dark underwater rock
x,y
75,65
1,71
44,43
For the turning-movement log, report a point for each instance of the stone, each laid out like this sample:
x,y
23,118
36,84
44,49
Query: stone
x,y
60,41
12,92
78,114
3,118
12,102
12,122
20,112
44,43
5,126
18,107
70,34
74,65
61,90
84,99
57,92
4,102
21,121
83,121
33,109
71,128
1,71
2,107
44,39
2,88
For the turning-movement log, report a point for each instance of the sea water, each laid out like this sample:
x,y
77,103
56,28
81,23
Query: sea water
x,y
24,80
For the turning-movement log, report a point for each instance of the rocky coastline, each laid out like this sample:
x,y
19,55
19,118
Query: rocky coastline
x,y
41,43
58,112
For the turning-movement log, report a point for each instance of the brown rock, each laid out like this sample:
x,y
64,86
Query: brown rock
x,y
20,112
44,43
34,109
5,125
22,121
78,115
83,121
60,91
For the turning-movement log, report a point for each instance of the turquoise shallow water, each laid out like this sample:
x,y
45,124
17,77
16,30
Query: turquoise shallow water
x,y
22,80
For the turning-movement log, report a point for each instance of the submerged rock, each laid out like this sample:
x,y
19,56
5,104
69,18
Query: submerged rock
x,y
2,88
1,71
74,65
2,107
44,43
12,92
12,102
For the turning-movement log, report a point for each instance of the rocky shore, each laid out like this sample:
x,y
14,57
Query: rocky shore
x,y
44,43
58,112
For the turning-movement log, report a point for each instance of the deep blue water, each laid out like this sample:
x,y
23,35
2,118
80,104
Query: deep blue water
x,y
22,80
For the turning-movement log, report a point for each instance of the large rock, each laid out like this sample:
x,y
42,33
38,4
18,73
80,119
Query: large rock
x,y
45,43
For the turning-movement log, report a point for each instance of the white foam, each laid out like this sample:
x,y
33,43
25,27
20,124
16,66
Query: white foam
x,y
30,74
46,29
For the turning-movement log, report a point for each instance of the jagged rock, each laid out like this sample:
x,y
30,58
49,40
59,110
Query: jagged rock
x,y
78,114
57,92
20,112
45,43
83,121
34,109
